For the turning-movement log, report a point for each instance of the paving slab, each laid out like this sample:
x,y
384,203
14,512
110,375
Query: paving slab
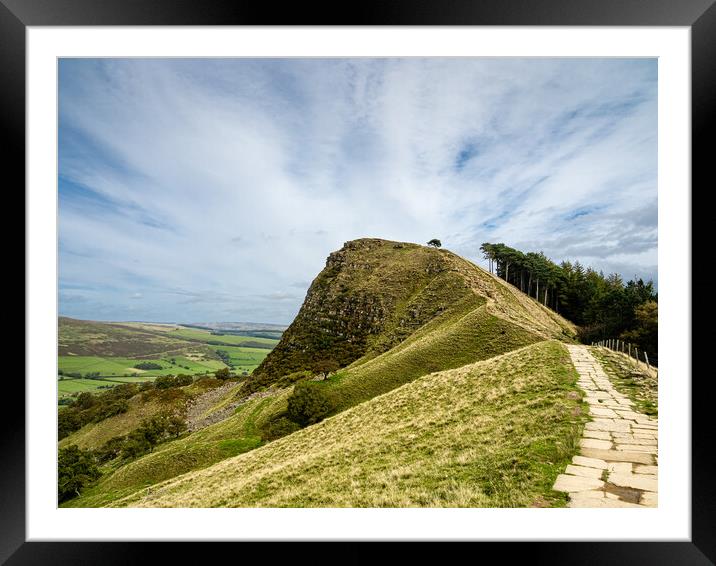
x,y
618,439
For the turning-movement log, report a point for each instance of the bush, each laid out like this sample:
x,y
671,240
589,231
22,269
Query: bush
x,y
68,421
86,400
164,382
182,379
150,433
278,428
76,469
134,446
326,367
104,411
308,404
110,449
148,365
222,373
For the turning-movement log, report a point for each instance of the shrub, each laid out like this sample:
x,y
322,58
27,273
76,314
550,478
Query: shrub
x,y
134,445
308,404
164,382
86,400
68,421
148,365
105,411
278,428
110,449
183,379
76,469
222,373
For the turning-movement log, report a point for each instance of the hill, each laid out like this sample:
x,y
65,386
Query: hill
x,y
89,338
373,294
489,434
455,315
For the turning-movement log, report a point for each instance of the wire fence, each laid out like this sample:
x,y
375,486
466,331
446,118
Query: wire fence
x,y
629,350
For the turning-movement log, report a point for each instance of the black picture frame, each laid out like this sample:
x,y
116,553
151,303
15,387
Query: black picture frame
x,y
699,15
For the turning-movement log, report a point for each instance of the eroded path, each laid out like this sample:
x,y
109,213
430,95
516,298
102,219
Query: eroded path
x,y
617,465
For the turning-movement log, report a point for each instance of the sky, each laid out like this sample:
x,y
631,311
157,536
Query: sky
x,y
196,190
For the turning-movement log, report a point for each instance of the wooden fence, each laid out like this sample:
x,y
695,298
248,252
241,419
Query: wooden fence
x,y
630,350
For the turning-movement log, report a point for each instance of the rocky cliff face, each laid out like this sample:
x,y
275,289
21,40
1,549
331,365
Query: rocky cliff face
x,y
371,295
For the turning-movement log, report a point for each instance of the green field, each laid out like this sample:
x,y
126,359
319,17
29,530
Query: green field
x,y
67,387
118,367
228,339
244,359
120,347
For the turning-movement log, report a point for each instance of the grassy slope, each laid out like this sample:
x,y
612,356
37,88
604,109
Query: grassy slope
x,y
217,442
462,336
468,334
141,406
471,316
373,294
465,332
94,435
490,434
88,338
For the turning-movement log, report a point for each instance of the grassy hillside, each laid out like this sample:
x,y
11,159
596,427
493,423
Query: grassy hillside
x,y
89,338
141,406
392,313
489,434
374,294
452,340
235,435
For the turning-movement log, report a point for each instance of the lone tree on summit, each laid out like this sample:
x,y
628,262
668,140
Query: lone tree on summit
x,y
435,243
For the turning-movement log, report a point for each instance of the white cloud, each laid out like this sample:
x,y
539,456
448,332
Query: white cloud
x,y
210,188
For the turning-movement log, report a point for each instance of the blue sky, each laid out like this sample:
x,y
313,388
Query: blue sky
x,y
214,189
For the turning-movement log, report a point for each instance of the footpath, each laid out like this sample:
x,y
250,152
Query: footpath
x,y
618,461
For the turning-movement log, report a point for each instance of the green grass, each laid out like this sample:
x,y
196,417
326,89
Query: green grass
x,y
643,390
467,334
67,387
490,434
190,349
242,358
94,435
373,294
118,367
234,435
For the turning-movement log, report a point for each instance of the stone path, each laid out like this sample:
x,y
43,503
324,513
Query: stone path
x,y
618,463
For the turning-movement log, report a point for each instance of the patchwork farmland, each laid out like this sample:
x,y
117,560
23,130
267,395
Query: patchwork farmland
x,y
99,355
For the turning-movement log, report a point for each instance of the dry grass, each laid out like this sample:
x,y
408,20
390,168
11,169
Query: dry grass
x,y
490,434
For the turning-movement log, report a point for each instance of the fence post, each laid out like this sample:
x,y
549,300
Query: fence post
x,y
647,360
636,354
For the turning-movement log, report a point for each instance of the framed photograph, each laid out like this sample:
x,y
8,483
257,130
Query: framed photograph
x,y
387,278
